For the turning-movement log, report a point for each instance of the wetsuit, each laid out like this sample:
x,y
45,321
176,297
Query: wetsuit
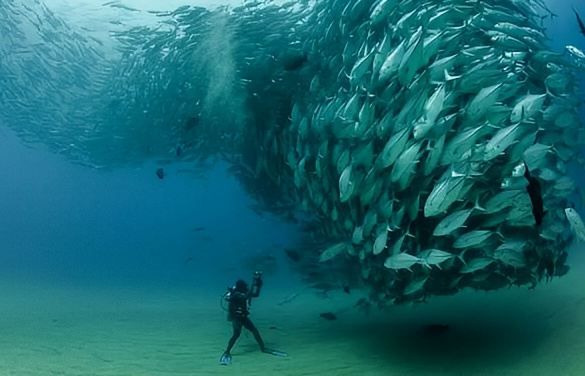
x,y
238,314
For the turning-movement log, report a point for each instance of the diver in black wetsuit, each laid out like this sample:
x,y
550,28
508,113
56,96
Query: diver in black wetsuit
x,y
239,298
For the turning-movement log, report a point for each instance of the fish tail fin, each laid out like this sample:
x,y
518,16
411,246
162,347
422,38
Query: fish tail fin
x,y
477,206
460,257
455,174
550,93
449,77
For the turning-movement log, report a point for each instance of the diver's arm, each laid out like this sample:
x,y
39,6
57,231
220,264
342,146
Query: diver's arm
x,y
255,291
256,286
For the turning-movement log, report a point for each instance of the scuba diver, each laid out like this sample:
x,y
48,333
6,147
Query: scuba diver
x,y
239,298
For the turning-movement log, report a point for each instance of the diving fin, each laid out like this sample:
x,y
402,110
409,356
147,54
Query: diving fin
x,y
274,352
226,359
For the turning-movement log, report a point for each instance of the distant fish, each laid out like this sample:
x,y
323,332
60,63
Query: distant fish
x,y
160,173
535,192
118,4
289,298
198,229
328,316
188,260
580,22
293,255
294,62
577,53
179,151
346,289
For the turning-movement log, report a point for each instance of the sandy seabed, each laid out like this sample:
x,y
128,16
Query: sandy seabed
x,y
56,330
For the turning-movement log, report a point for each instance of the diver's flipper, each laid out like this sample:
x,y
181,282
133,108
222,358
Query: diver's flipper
x,y
226,359
275,352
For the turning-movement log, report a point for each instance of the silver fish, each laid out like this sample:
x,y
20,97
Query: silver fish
x,y
435,257
476,264
333,251
472,239
443,195
452,222
401,261
576,223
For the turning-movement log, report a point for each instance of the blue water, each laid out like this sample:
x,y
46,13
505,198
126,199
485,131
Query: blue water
x,y
70,224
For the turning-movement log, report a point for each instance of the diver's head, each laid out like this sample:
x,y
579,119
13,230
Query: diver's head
x,y
241,285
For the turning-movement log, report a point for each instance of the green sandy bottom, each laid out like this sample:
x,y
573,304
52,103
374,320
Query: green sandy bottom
x,y
75,331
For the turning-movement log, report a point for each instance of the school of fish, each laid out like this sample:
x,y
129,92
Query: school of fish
x,y
421,136
414,138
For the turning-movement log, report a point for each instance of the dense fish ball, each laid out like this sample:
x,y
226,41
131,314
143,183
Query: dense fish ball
x,y
418,137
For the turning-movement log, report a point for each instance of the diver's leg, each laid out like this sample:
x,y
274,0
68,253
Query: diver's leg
x,y
250,326
237,325
226,357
